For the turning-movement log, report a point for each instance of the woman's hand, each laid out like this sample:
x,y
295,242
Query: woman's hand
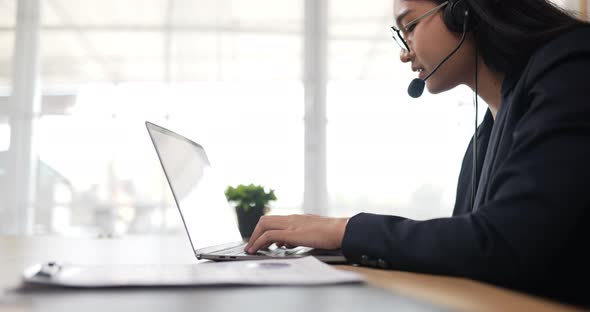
x,y
297,230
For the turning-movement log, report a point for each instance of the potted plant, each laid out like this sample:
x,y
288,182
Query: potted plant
x,y
251,203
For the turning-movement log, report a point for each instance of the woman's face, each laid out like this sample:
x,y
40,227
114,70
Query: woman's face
x,y
430,41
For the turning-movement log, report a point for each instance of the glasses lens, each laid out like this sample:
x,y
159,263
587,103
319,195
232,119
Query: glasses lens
x,y
399,39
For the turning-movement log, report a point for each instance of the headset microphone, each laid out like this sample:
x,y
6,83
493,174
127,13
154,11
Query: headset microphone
x,y
416,87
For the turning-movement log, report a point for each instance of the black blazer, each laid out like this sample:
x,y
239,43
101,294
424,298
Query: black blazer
x,y
530,226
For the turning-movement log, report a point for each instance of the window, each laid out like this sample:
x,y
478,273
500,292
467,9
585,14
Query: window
x,y
224,73
227,74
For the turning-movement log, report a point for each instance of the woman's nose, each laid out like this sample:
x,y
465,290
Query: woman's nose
x,y
406,56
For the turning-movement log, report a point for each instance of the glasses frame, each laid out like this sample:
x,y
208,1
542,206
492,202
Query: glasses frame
x,y
397,33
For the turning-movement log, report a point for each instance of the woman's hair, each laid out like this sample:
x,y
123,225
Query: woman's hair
x,y
508,32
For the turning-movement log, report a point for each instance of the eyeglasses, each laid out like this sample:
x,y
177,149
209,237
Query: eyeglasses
x,y
398,34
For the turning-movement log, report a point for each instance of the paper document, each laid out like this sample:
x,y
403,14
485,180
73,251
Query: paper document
x,y
302,271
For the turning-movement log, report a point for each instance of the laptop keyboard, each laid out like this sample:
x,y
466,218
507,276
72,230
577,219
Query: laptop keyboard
x,y
239,251
234,251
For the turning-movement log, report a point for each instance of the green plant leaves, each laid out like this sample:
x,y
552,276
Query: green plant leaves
x,y
249,196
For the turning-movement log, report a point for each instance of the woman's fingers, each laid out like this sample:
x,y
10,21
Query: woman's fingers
x,y
265,223
266,239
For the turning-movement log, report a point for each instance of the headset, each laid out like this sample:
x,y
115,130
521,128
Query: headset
x,y
454,16
458,18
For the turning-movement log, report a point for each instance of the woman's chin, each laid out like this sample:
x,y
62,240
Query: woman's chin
x,y
434,88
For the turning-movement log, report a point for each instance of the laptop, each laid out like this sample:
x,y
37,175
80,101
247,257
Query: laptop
x,y
209,220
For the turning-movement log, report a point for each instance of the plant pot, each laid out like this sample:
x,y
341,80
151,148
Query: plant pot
x,y
247,220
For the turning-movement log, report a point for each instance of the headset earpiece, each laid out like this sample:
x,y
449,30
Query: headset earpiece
x,y
454,16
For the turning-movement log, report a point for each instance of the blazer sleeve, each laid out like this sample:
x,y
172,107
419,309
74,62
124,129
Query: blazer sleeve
x,y
538,196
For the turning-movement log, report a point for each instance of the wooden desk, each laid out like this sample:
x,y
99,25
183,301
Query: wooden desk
x,y
385,290
456,293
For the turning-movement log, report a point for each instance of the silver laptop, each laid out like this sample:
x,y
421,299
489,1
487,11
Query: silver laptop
x,y
209,220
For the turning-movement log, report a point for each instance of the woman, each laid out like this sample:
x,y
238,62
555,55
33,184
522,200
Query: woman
x,y
525,224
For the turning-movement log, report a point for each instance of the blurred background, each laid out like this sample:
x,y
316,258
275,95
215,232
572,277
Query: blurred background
x,y
306,97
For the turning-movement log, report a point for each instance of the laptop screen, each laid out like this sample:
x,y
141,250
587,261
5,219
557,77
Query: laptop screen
x,y
208,218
